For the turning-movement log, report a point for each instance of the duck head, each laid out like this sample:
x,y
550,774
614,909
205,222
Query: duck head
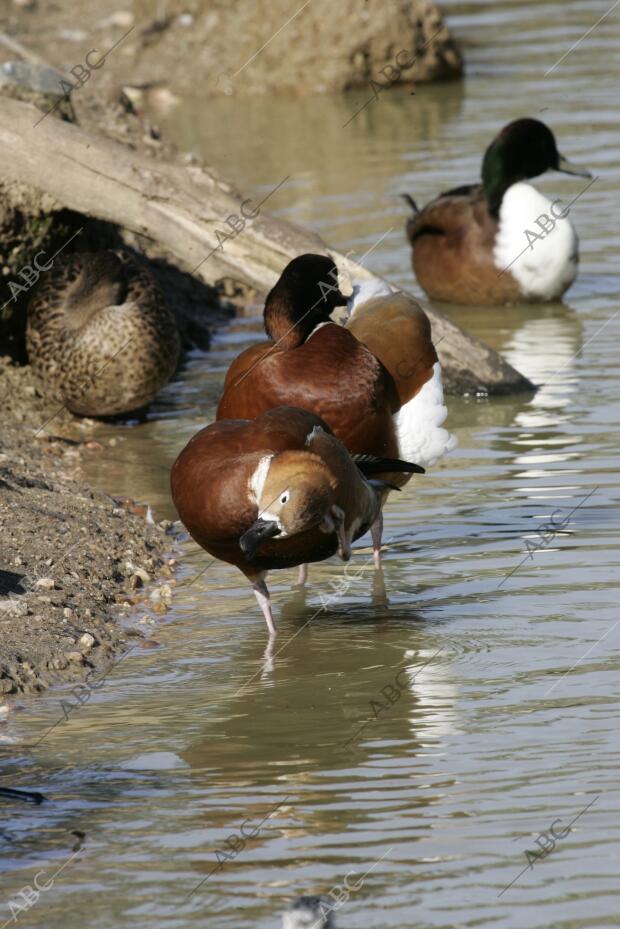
x,y
306,295
308,913
524,148
298,493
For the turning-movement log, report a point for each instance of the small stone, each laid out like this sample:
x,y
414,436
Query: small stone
x,y
10,607
57,664
45,583
159,607
135,582
86,640
75,657
67,612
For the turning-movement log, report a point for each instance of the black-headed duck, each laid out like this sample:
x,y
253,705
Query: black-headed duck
x,y
500,241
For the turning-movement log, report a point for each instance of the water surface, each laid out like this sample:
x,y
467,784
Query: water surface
x,y
495,634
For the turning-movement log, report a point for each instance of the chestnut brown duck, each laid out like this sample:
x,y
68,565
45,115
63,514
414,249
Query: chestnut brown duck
x,y
275,492
376,382
500,241
99,334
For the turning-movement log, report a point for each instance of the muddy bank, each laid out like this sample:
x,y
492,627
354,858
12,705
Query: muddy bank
x,y
82,575
244,47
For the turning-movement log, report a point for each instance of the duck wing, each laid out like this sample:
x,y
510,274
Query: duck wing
x,y
451,213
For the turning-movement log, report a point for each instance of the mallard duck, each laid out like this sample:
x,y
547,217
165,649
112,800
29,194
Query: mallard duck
x,y
376,382
99,334
500,241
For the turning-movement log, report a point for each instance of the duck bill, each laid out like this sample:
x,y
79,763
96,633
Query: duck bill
x,y
258,533
339,299
567,167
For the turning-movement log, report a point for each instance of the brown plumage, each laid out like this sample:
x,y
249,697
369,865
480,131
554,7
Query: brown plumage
x,y
452,250
357,378
273,492
100,335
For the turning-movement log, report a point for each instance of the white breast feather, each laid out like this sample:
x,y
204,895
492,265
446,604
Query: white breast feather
x,y
421,438
258,478
367,290
548,265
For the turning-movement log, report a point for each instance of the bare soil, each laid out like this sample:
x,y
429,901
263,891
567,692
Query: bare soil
x,y
78,568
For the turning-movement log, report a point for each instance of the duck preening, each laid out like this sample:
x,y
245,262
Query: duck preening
x,y
376,382
276,492
100,335
500,241
308,913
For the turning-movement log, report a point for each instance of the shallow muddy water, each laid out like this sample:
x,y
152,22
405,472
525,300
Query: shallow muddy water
x,y
496,633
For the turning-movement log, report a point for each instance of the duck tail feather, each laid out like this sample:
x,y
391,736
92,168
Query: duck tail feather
x,y
414,206
371,464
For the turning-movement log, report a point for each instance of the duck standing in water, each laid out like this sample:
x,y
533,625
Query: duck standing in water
x,y
100,335
275,492
500,241
376,382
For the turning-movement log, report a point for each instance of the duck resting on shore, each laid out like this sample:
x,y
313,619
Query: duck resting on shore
x,y
99,334
276,492
500,241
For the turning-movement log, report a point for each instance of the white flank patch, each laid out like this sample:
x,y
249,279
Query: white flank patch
x,y
549,264
421,439
257,481
367,290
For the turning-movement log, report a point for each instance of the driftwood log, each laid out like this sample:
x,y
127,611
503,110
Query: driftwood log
x,y
184,209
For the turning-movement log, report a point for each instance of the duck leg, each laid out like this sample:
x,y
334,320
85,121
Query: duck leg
x,y
344,542
302,575
262,595
376,531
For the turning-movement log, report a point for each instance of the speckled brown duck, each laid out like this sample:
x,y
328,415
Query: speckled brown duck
x,y
100,335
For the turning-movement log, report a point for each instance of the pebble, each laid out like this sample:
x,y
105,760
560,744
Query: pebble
x,y
45,583
12,607
162,593
76,657
87,640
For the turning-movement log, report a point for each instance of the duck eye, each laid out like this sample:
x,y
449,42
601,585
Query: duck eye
x,y
284,497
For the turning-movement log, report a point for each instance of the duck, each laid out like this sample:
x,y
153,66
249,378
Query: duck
x,y
309,913
275,492
376,381
500,241
99,335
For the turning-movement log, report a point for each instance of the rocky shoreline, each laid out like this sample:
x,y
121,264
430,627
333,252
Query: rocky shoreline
x,y
81,573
